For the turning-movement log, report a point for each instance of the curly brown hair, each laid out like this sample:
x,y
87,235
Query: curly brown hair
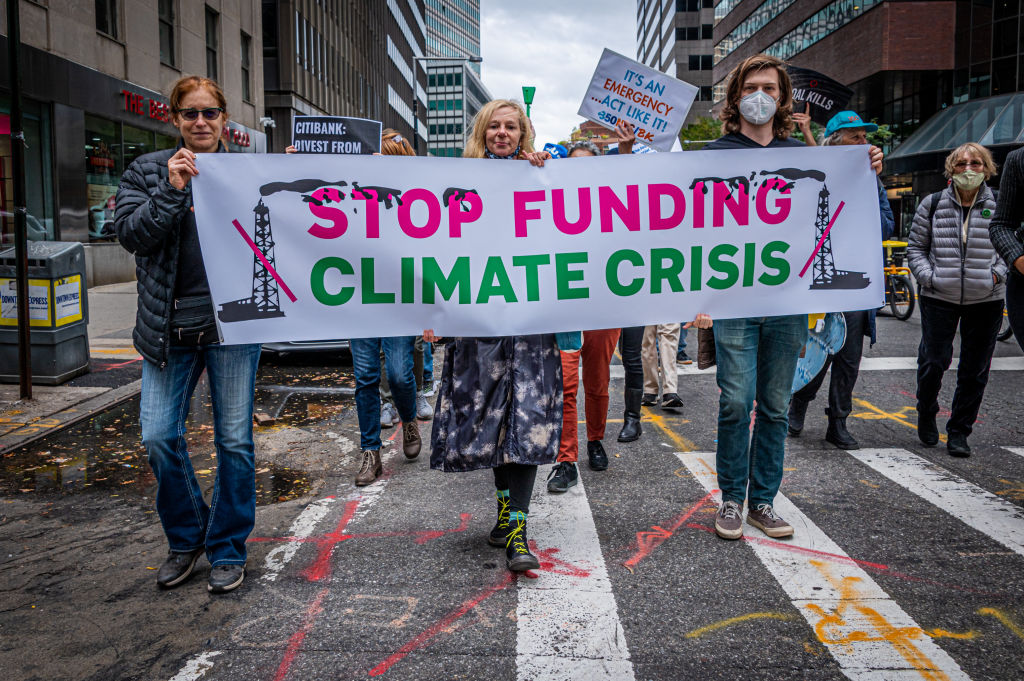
x,y
782,125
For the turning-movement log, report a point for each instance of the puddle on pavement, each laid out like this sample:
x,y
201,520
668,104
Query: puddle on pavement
x,y
104,454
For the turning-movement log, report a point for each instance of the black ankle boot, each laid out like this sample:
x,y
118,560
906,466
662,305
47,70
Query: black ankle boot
x,y
517,549
797,412
631,418
838,435
499,532
598,457
927,429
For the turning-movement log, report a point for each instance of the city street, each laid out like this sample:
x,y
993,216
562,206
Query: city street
x,y
906,562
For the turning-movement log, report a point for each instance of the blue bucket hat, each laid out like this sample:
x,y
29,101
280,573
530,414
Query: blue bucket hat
x,y
847,119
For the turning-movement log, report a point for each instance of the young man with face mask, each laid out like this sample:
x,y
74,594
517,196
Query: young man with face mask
x,y
756,356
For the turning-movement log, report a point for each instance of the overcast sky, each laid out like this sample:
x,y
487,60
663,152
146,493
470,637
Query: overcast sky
x,y
553,45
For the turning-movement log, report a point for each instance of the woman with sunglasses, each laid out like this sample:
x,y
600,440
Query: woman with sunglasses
x,y
177,337
961,280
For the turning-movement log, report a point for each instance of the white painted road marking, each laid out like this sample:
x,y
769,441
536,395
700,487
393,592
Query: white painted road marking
x,y
197,667
867,633
568,624
965,501
301,528
1019,451
866,364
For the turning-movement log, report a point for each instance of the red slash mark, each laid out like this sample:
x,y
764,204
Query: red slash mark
x,y
321,567
295,642
263,259
548,562
648,540
442,624
823,237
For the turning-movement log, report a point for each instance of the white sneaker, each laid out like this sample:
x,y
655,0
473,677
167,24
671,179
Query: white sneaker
x,y
424,412
388,415
429,390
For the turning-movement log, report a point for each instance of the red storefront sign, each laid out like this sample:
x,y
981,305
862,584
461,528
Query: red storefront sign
x,y
145,106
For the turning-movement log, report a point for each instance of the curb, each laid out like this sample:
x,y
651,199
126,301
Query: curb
x,y
29,433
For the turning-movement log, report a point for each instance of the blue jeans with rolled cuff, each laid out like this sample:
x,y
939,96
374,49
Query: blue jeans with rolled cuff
x,y
366,363
757,357
189,523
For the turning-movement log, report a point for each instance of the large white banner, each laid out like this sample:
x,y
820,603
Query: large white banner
x,y
304,247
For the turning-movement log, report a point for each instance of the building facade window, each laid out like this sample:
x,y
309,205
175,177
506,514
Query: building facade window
x,y
106,17
246,67
165,15
212,21
758,19
110,147
39,199
700,62
829,19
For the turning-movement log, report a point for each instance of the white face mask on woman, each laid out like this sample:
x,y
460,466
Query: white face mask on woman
x,y
758,107
969,180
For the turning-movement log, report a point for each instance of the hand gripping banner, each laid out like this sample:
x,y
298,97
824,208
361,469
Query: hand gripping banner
x,y
308,247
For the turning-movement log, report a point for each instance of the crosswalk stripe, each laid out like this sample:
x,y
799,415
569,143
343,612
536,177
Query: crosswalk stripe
x,y
1019,451
967,502
870,636
568,623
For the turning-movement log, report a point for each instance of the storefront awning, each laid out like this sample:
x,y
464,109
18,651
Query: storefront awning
x,y
993,122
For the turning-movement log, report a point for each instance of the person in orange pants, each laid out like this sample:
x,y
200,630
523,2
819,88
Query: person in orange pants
x,y
596,355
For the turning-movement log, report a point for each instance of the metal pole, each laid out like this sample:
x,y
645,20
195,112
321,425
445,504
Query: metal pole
x,y
415,108
20,209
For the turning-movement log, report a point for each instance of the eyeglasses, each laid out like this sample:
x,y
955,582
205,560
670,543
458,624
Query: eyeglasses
x,y
211,114
974,165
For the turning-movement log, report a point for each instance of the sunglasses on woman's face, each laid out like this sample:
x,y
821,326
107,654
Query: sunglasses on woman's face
x,y
211,114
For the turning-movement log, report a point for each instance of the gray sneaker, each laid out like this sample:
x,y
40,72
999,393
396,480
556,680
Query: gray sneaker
x,y
765,519
225,578
388,415
424,412
729,520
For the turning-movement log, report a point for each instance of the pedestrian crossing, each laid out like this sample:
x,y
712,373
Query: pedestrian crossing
x,y
568,618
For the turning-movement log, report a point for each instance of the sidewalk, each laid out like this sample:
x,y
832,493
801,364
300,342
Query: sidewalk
x,y
111,320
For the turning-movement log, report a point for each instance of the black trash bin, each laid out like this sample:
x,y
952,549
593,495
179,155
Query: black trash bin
x,y
58,312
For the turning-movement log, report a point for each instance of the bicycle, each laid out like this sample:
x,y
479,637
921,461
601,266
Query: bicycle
x,y
899,286
1005,330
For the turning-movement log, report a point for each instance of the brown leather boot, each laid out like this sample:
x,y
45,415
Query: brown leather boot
x,y
370,469
411,441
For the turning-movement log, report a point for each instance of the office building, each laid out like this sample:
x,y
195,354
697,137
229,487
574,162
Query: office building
x,y
675,37
905,61
95,79
455,92
453,29
344,59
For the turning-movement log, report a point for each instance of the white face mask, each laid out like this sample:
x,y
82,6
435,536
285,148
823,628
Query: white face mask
x,y
969,179
758,107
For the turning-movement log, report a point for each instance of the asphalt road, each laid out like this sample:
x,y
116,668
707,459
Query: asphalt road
x,y
906,563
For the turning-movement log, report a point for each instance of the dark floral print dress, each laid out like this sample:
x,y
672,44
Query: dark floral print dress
x,y
500,401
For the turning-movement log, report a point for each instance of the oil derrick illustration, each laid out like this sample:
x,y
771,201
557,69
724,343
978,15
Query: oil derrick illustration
x,y
264,302
826,276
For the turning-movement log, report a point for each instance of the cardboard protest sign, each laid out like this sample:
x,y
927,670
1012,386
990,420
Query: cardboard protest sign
x,y
335,135
824,96
302,248
655,103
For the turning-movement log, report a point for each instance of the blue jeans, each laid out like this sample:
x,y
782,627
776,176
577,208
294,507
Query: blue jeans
x,y
223,526
756,358
366,363
428,365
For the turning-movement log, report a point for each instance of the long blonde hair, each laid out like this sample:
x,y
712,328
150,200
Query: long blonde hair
x,y
477,143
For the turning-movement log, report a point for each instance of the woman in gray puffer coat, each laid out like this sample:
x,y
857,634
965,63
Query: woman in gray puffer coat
x,y
961,281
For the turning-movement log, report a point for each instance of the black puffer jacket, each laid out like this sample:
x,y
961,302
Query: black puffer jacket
x,y
148,222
